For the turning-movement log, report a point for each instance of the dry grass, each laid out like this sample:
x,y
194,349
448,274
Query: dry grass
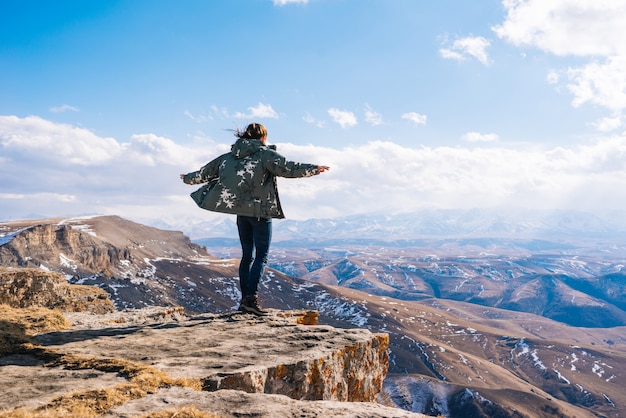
x,y
29,287
18,325
16,328
185,412
143,380
86,412
22,413
34,320
85,298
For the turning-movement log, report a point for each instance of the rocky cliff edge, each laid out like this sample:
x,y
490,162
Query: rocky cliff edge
x,y
144,362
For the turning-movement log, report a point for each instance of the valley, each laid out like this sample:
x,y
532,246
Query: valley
x,y
475,328
581,287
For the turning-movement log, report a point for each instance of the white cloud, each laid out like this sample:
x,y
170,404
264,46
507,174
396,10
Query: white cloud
x,y
311,120
450,54
150,150
198,118
608,124
140,179
415,117
602,84
285,2
478,137
582,28
220,111
474,46
384,176
553,77
43,156
260,111
12,196
63,108
344,118
372,117
36,138
566,27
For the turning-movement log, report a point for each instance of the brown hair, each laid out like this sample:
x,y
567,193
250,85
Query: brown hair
x,y
253,131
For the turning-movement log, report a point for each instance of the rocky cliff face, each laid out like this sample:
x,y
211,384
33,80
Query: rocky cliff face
x,y
137,265
105,246
42,243
273,354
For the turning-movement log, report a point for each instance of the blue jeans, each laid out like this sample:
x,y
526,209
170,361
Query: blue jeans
x,y
255,235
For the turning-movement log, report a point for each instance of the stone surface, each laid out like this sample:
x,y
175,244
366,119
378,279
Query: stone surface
x,y
237,404
272,366
270,354
25,382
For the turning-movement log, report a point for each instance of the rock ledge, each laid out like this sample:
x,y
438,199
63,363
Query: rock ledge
x,y
225,354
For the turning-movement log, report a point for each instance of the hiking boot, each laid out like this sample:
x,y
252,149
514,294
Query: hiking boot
x,y
250,304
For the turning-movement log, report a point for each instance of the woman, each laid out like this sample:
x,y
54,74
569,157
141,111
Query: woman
x,y
246,186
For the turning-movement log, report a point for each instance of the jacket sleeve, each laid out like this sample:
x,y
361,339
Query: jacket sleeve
x,y
206,173
280,166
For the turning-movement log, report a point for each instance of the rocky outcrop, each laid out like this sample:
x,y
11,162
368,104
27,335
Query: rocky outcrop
x,y
205,362
42,243
138,266
237,351
286,355
22,288
352,371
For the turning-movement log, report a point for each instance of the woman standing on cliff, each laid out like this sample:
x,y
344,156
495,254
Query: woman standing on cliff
x,y
245,185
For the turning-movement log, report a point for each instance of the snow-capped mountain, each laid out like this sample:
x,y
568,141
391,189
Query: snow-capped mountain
x,y
484,223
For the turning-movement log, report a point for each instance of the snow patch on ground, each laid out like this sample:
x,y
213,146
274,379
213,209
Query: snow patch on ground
x,y
67,262
6,238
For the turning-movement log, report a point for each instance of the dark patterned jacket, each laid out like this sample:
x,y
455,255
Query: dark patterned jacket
x,y
245,179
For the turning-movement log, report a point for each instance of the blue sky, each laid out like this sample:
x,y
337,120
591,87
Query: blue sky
x,y
451,104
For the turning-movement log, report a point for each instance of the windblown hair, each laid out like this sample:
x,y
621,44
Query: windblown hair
x,y
253,131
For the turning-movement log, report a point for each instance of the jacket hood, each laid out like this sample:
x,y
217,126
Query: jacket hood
x,y
245,147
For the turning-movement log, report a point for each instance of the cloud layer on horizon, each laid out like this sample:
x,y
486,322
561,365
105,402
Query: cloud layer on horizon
x,y
51,169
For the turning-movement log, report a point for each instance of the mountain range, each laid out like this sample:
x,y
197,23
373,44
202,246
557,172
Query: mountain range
x,y
559,225
485,326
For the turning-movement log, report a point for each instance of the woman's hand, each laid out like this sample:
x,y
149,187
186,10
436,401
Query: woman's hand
x,y
322,168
